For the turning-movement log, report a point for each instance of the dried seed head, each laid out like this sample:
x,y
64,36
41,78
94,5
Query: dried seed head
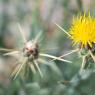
x,y
31,50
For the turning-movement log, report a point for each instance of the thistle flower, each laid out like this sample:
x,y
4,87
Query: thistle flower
x,y
30,55
82,33
83,30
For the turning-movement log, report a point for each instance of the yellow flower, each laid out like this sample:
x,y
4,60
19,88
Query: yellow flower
x,y
82,30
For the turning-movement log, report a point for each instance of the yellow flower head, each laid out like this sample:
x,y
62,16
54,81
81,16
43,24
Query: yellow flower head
x,y
83,30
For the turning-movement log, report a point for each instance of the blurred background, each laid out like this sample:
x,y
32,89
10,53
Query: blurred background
x,y
37,16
